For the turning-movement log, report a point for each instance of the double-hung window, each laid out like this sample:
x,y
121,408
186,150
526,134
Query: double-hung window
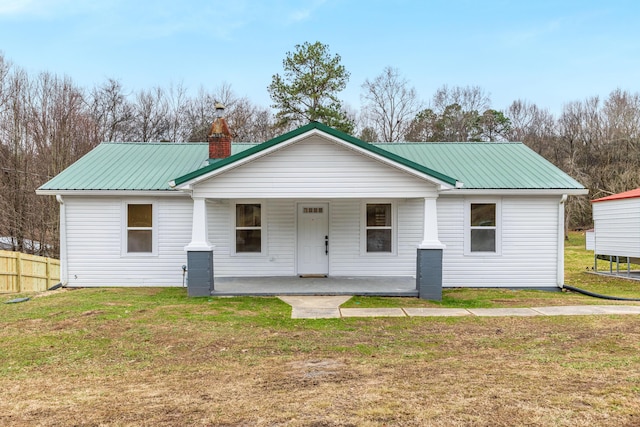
x,y
139,230
248,228
379,228
483,228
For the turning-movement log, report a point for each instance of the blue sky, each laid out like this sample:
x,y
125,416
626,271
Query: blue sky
x,y
545,52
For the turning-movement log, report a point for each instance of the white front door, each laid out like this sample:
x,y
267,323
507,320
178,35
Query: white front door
x,y
313,238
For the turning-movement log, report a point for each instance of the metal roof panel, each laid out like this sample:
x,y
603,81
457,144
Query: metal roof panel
x,y
487,165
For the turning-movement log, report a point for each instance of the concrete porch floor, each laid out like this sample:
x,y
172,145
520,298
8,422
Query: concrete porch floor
x,y
334,285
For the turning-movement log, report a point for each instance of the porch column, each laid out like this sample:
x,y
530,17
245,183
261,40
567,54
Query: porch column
x,y
199,253
429,262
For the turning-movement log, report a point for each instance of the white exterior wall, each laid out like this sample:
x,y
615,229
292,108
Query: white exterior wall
x,y
617,227
278,229
529,244
314,168
346,256
94,242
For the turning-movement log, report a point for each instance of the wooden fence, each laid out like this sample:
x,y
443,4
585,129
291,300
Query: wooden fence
x,y
27,273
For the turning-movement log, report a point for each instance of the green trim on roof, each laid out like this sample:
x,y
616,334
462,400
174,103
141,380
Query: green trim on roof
x,y
304,129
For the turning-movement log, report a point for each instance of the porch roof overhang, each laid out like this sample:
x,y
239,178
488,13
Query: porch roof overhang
x,y
220,166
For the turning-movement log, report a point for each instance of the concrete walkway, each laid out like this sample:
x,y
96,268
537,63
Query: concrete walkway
x,y
326,307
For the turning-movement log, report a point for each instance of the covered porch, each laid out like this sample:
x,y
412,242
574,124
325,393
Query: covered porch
x,y
345,258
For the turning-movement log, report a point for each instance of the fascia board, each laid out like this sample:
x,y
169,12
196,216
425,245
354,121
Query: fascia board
x,y
516,192
161,193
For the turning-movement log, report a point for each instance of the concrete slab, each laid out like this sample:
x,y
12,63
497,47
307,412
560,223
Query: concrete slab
x,y
372,312
333,285
314,306
315,301
584,310
315,313
502,312
621,309
436,312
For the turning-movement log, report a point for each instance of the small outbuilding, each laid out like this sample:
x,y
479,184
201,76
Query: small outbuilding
x,y
616,233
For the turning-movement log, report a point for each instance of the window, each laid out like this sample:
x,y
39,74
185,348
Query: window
x,y
249,228
139,228
379,227
483,227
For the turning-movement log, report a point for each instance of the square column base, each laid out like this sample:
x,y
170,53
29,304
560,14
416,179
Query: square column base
x,y
429,274
199,273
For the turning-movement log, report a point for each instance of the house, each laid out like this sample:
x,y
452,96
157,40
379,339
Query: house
x,y
312,202
616,234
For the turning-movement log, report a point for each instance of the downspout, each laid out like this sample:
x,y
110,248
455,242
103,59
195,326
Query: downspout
x,y
64,273
560,272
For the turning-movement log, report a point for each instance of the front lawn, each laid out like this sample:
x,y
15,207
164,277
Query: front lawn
x,y
129,357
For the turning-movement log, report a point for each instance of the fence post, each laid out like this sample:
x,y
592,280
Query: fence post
x,y
48,274
19,271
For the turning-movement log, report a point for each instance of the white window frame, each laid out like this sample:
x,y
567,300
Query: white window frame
x,y
468,227
262,228
125,229
364,228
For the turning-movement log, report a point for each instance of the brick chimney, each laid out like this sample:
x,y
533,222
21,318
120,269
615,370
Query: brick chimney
x,y
219,136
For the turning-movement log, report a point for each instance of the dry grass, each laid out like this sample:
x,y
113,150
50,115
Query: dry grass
x,y
130,357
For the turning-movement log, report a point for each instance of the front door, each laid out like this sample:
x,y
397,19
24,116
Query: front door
x,y
313,239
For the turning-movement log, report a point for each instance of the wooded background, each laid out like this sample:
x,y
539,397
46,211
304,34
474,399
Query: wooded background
x,y
47,122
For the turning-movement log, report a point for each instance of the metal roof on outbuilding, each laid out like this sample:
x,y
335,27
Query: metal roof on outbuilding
x,y
631,194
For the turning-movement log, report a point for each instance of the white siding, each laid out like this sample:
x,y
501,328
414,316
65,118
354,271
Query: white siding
x,y
529,245
617,227
314,168
94,239
279,231
528,258
345,255
590,240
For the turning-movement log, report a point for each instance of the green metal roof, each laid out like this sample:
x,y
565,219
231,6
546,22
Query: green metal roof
x,y
132,166
151,166
487,165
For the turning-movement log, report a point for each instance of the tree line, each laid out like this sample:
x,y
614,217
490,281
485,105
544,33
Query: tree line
x,y
47,122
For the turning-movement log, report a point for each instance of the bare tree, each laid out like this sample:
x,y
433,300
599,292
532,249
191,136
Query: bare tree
x,y
112,112
535,127
390,104
150,115
469,98
177,104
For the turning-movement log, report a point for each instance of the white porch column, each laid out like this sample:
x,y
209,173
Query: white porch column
x,y
199,227
430,238
199,253
429,260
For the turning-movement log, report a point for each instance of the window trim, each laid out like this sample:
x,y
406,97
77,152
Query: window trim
x,y
467,227
124,250
364,228
263,228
